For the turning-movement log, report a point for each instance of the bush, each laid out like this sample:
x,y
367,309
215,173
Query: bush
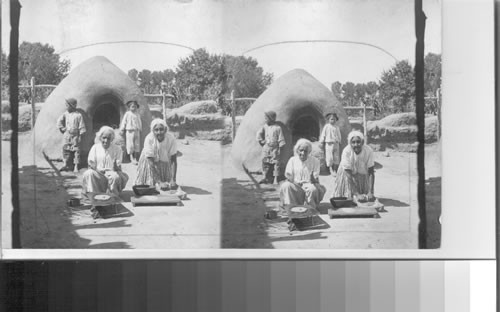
x,y
398,120
5,107
6,118
399,128
197,108
24,119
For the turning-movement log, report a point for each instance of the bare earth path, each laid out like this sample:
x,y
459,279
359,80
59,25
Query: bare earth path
x,y
244,205
47,222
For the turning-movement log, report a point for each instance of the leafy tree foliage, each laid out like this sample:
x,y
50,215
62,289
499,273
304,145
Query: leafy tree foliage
x,y
372,88
245,76
151,82
397,87
40,61
133,74
359,91
349,92
395,90
203,76
337,89
5,76
145,80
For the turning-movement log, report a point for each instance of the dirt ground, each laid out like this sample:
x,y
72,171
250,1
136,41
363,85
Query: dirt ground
x,y
245,203
47,221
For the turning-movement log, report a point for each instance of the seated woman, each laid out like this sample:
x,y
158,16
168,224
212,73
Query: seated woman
x,y
356,175
158,161
105,173
302,173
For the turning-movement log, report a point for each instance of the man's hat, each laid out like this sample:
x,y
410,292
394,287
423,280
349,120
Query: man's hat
x,y
332,114
71,102
132,102
271,115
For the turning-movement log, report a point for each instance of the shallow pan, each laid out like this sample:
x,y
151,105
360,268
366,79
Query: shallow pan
x,y
141,190
342,202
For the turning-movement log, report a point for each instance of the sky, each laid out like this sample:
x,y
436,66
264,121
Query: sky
x,y
233,27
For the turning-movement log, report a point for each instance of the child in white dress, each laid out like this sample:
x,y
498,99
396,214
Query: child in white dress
x,y
130,128
330,139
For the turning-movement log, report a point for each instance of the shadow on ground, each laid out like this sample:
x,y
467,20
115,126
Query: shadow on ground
x,y
247,226
388,202
191,190
242,228
46,220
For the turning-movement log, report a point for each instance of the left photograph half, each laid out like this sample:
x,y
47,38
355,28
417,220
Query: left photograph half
x,y
113,150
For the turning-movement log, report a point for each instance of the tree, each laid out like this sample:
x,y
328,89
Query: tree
x,y
211,76
359,92
204,76
166,76
151,82
40,61
337,89
371,88
200,76
145,81
5,76
397,87
245,76
133,74
348,89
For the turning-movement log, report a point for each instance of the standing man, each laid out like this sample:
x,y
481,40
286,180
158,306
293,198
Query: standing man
x,y
72,127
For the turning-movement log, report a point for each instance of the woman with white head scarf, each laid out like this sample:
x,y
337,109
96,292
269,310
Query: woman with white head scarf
x,y
104,174
302,174
158,161
356,175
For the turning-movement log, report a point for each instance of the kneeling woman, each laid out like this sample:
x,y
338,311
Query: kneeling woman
x,y
302,173
356,176
105,173
158,162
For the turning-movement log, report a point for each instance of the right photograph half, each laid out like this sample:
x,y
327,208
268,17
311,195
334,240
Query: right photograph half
x,y
341,149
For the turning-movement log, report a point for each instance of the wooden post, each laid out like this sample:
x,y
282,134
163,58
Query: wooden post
x,y
33,111
364,122
164,106
233,114
15,12
420,112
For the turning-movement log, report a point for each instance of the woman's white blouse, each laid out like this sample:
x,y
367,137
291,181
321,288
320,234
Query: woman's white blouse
x,y
160,151
301,171
358,163
101,158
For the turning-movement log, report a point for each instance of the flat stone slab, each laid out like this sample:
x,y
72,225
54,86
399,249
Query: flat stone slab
x,y
353,212
155,200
